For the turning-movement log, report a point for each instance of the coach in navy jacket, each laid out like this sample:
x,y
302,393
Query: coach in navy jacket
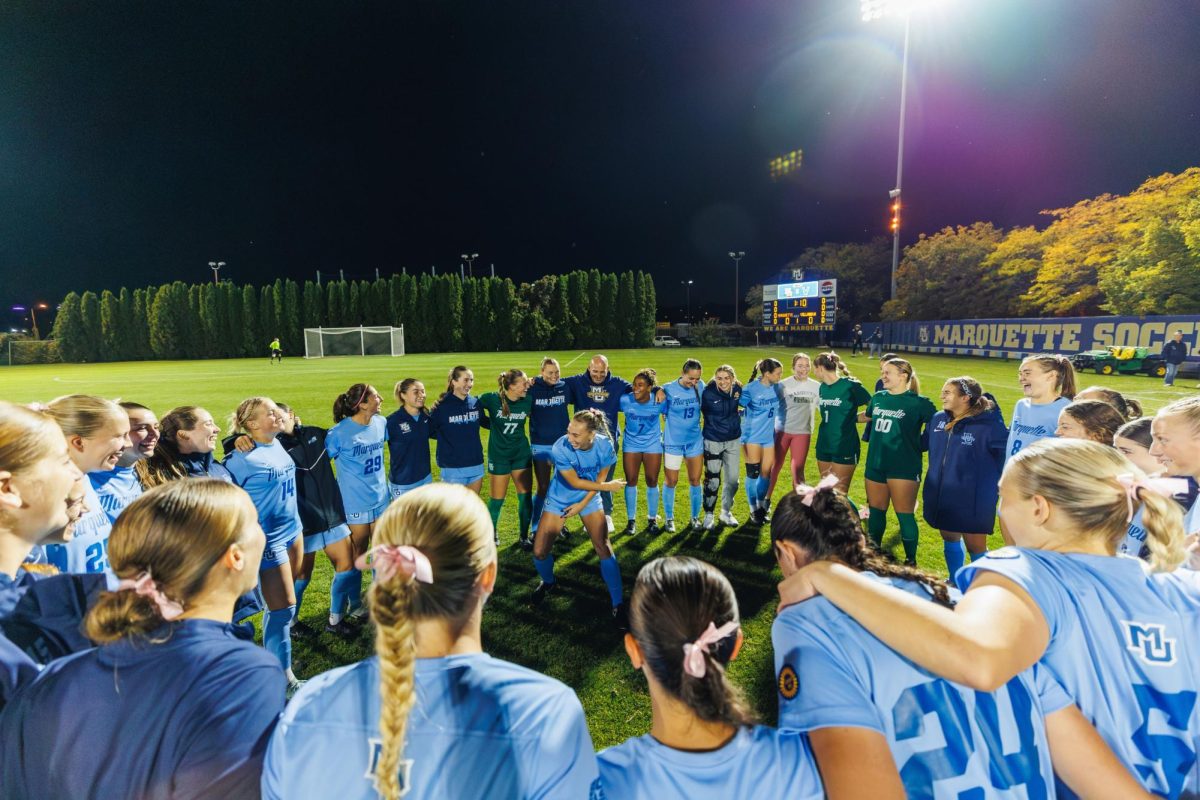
x,y
720,412
964,469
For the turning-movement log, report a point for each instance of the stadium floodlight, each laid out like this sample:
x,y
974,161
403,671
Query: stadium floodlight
x,y
470,259
688,284
361,341
737,300
215,266
32,309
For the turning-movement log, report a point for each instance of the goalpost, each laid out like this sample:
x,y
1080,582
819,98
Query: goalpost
x,y
361,341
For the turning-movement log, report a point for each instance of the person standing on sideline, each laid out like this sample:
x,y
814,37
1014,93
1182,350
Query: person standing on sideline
x,y
876,341
276,351
1174,353
857,345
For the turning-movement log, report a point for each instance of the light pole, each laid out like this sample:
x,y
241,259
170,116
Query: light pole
x,y
737,297
688,284
215,266
470,259
32,309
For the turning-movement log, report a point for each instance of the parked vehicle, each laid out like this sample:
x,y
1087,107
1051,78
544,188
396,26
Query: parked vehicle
x,y
1123,360
666,341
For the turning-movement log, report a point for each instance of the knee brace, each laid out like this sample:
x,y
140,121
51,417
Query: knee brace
x,y
753,471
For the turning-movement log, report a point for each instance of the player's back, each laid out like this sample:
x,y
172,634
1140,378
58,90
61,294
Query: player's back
x,y
479,728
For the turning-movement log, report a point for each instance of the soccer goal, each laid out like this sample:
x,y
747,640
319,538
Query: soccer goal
x,y
377,341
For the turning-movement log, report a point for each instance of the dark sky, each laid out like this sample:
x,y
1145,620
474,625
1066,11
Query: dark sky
x,y
138,141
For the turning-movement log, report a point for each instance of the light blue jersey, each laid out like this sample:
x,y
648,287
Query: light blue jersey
x,y
268,475
358,451
1135,537
682,409
116,488
761,404
88,549
1123,645
757,762
1033,421
643,424
588,464
948,741
480,727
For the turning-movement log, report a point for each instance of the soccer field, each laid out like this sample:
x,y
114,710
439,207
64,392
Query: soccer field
x,y
570,637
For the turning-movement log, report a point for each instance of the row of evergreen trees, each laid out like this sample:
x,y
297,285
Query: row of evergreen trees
x,y
440,313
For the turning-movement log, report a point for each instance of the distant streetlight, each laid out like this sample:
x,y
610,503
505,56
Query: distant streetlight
x,y
688,284
32,309
470,259
737,297
215,266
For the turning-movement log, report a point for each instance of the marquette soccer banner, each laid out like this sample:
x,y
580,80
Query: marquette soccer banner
x,y
1015,338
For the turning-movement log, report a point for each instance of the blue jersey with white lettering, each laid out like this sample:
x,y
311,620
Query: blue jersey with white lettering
x,y
1123,645
587,464
454,423
358,451
757,762
480,727
947,741
549,416
762,405
268,475
682,410
408,445
643,424
116,488
88,549
1033,421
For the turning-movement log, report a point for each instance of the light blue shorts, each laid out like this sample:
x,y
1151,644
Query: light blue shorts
x,y
368,516
319,541
633,446
762,438
555,506
543,452
462,475
689,450
276,553
396,490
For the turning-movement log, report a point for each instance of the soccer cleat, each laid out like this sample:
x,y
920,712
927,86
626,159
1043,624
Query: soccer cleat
x,y
612,526
620,618
496,539
695,524
670,526
727,518
301,631
341,628
357,616
758,517
542,591
525,543
709,522
908,562
652,526
630,528
293,687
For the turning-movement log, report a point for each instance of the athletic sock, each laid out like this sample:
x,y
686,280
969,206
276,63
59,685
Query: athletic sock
x,y
669,501
545,568
354,589
977,556
764,491
277,634
652,502
301,584
631,502
955,555
612,579
908,535
494,508
539,500
876,525
339,592
697,500
752,493
524,513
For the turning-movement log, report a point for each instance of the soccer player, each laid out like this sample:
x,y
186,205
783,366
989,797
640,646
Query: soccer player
x,y
722,434
276,351
643,448
37,479
97,432
1114,634
408,440
683,441
966,455
758,434
798,395
898,416
1134,440
454,423
119,486
881,726
509,455
1048,382
838,399
1129,407
268,475
580,459
431,715
1094,420
683,632
187,437
172,703
547,423
1176,431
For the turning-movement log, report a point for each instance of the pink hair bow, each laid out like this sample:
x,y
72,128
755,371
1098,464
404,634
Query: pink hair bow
x,y
808,492
693,652
1163,486
391,559
145,586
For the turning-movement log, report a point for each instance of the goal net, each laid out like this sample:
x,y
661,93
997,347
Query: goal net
x,y
376,341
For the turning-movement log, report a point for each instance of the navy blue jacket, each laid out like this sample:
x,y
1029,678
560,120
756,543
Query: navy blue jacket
x,y
549,418
720,413
1174,352
605,396
205,465
408,445
455,424
964,468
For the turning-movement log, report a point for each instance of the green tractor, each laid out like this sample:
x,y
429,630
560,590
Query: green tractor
x,y
1123,360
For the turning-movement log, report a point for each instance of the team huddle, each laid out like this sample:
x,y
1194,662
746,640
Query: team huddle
x,y
1063,663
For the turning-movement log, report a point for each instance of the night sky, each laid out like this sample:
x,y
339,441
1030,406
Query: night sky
x,y
138,141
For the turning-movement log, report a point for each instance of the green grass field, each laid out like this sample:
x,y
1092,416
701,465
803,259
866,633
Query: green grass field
x,y
570,637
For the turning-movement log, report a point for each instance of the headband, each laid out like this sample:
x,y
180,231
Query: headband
x,y
145,586
362,396
966,390
693,652
388,560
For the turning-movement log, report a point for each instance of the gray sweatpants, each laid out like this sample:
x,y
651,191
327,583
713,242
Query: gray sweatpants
x,y
721,457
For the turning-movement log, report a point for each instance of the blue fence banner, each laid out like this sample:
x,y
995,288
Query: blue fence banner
x,y
1017,338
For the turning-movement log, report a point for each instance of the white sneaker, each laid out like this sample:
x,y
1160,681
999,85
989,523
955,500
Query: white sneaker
x,y
293,687
608,520
709,522
727,518
695,524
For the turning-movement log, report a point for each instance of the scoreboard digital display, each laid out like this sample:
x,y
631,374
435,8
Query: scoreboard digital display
x,y
796,314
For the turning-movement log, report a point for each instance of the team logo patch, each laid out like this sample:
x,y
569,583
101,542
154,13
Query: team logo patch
x,y
968,439
1149,642
789,684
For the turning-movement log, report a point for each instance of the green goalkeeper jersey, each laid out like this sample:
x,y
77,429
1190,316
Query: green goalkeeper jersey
x,y
897,421
838,404
507,440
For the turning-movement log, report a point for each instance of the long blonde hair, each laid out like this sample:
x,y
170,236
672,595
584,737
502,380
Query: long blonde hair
x,y
1079,478
245,412
1188,408
914,385
450,525
84,415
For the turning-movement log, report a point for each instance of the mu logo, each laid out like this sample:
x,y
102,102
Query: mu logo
x,y
1148,641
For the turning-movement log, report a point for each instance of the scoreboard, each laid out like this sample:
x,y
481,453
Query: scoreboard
x,y
795,307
